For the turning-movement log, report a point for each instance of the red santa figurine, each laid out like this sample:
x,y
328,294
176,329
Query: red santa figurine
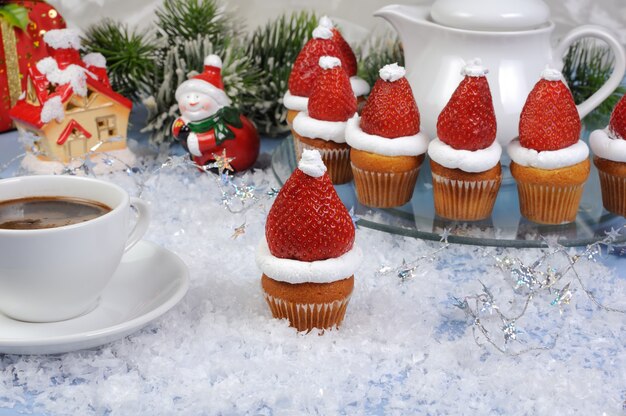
x,y
209,125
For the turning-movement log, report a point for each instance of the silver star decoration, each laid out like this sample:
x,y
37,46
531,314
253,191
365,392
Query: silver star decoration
x,y
510,331
355,218
444,235
613,234
241,230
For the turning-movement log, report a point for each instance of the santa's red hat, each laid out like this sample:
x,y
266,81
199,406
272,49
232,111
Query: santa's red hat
x,y
208,82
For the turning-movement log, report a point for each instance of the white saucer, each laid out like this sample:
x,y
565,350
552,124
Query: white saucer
x,y
149,281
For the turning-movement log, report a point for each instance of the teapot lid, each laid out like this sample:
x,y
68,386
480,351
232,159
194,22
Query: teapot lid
x,y
491,15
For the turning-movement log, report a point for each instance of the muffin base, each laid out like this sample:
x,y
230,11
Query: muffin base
x,y
308,305
465,196
550,196
613,184
336,156
384,181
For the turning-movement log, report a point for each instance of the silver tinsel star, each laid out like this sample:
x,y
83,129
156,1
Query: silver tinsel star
x,y
444,235
355,218
273,192
405,272
241,230
510,331
613,234
563,297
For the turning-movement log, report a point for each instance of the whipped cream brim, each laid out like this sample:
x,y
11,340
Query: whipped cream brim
x,y
400,146
313,128
548,159
607,147
472,161
295,102
295,271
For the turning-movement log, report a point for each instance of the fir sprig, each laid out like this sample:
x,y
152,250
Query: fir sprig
x,y
586,67
130,55
274,49
189,19
379,51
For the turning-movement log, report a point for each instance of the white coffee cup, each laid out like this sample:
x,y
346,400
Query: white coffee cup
x,y
59,273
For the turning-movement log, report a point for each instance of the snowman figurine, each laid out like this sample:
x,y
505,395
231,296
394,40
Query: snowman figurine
x,y
209,125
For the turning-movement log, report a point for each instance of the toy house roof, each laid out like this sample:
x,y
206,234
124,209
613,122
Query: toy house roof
x,y
64,74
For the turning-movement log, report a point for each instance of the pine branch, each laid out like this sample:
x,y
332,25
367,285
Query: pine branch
x,y
274,49
379,52
586,67
129,54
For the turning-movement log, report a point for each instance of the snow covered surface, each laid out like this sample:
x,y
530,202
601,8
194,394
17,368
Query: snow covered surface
x,y
74,75
402,349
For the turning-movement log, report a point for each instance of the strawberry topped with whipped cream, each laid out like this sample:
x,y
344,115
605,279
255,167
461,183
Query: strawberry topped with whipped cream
x,y
549,127
331,104
465,157
308,256
387,145
549,161
466,127
609,149
326,41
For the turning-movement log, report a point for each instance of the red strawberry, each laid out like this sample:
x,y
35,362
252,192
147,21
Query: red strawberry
x,y
348,59
617,124
332,98
306,66
390,110
468,121
549,119
308,221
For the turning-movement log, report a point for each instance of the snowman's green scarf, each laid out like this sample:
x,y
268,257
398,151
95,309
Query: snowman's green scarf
x,y
221,122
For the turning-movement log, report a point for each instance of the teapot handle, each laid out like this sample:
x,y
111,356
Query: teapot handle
x,y
619,69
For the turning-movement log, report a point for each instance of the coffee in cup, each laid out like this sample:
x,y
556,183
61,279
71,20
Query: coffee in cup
x,y
61,240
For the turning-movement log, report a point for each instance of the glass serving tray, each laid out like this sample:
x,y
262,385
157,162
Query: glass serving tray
x,y
505,227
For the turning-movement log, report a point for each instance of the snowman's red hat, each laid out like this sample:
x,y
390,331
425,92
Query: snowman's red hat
x,y
208,82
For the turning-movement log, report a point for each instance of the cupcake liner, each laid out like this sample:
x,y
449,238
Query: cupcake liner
x,y
306,316
464,200
613,192
337,161
549,204
384,189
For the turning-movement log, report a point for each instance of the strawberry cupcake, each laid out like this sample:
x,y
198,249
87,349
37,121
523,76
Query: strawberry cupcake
x,y
308,257
326,41
465,156
323,126
549,161
609,149
387,147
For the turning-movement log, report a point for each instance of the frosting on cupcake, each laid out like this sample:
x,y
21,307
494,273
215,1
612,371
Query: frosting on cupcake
x,y
399,146
467,160
295,102
607,147
307,126
295,271
548,159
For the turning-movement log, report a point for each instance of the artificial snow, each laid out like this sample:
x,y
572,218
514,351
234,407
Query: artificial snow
x,y
62,39
403,348
95,59
52,110
74,75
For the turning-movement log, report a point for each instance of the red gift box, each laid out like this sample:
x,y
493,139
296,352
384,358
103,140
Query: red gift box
x,y
19,49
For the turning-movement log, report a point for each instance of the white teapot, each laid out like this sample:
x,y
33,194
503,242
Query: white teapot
x,y
513,39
